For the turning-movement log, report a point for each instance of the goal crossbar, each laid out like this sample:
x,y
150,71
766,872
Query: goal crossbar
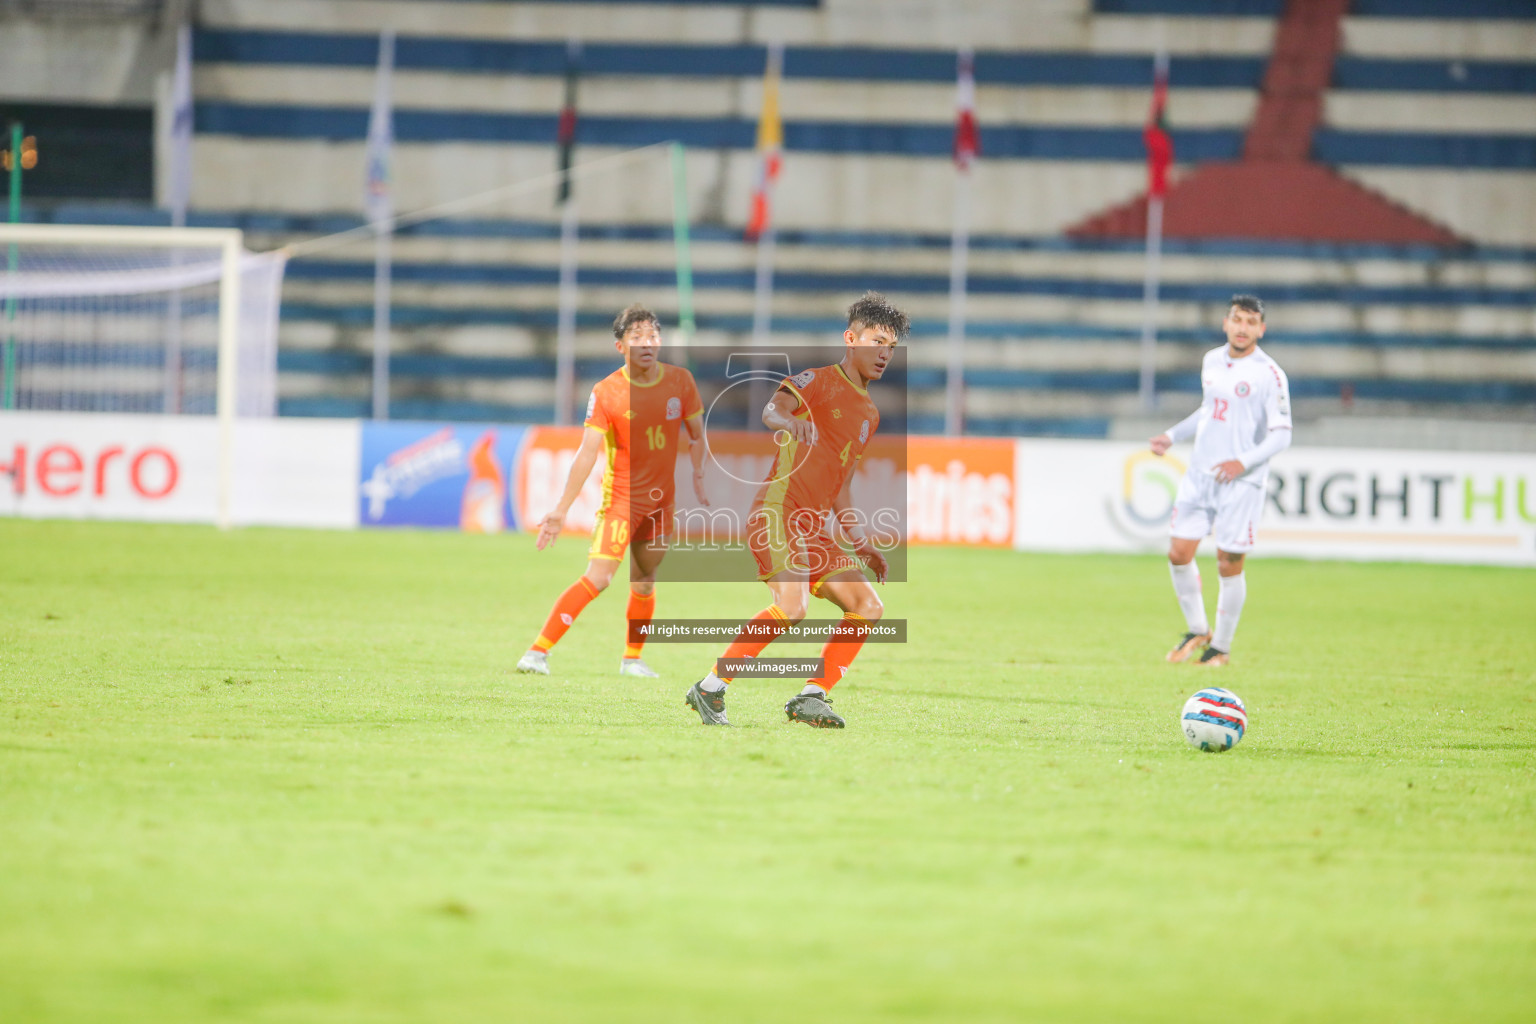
x,y
229,243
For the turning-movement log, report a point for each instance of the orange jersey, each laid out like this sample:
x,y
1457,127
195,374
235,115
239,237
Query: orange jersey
x,y
640,433
845,419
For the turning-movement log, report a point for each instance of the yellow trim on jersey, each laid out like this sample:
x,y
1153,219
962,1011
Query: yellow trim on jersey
x,y
790,384
774,496
661,371
860,390
773,507
694,414
611,450
597,546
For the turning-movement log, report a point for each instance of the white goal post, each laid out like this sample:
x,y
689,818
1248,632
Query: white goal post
x,y
140,320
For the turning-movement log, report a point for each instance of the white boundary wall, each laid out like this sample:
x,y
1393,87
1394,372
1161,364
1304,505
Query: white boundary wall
x,y
166,469
1344,503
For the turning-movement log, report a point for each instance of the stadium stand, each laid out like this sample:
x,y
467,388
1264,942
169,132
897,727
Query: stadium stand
x,y
1431,110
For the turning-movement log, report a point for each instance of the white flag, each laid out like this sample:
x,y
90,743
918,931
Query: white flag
x,y
181,128
381,136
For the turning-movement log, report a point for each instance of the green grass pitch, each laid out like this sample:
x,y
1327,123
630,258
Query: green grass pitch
x,y
287,776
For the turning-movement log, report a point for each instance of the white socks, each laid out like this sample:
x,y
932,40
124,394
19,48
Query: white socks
x,y
1186,585
712,684
812,688
1229,608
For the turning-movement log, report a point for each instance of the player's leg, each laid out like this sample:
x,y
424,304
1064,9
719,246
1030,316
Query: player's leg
x,y
861,607
790,600
645,555
772,547
1236,521
1229,606
791,597
609,540
1191,521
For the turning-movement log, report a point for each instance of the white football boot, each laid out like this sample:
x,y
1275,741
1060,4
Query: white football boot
x,y
535,662
636,667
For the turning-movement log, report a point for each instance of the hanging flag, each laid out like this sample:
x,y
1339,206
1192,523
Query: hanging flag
x,y
967,141
381,136
181,129
567,130
770,145
1159,143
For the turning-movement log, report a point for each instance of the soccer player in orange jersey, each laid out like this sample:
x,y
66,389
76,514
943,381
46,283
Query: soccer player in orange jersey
x,y
633,420
824,419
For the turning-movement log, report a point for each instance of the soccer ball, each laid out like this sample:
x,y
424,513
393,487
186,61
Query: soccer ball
x,y
1214,719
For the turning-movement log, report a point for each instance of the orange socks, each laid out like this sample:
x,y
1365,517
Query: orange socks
x,y
576,597
761,630
841,648
641,608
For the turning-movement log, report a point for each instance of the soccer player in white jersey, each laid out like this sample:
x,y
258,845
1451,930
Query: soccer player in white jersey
x,y
1244,420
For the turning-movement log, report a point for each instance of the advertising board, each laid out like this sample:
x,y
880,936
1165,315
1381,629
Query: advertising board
x,y
1368,504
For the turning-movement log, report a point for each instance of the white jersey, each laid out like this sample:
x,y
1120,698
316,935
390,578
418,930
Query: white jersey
x,y
1245,401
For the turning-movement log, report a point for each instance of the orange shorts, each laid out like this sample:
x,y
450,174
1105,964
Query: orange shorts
x,y
619,527
800,547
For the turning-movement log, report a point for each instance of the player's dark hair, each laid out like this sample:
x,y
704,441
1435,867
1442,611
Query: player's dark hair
x,y
630,315
875,310
1248,304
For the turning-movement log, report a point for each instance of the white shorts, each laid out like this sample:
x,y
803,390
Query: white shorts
x,y
1231,511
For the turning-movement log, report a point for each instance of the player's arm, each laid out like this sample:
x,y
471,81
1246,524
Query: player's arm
x,y
1180,431
1278,440
581,468
695,427
1277,417
847,519
779,414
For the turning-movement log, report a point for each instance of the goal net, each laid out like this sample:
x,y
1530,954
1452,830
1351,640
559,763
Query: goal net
x,y
178,321
137,320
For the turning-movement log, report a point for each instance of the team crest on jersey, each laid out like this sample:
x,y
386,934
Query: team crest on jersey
x,y
802,379
1242,389
863,431
674,408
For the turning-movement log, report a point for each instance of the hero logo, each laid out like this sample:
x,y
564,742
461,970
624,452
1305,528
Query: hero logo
x,y
63,471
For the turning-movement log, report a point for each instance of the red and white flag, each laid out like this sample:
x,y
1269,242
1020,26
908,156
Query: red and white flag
x,y
1155,135
967,141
